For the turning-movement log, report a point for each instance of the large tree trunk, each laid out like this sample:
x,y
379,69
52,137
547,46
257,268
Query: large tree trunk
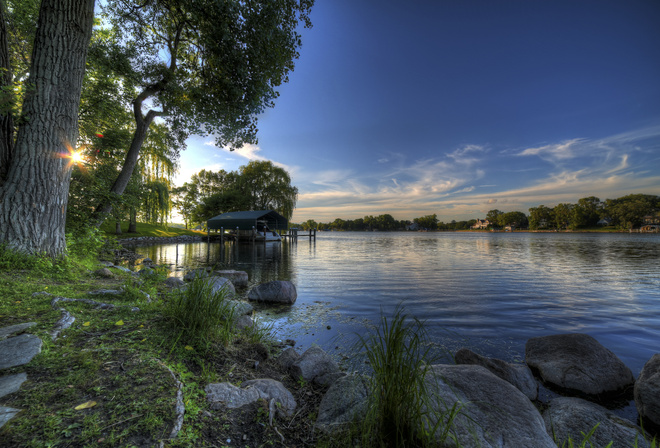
x,y
33,197
6,99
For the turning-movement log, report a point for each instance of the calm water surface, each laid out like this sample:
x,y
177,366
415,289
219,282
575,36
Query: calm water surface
x,y
487,291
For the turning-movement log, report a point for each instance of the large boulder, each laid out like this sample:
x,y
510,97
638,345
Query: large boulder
x,y
238,278
11,383
314,363
277,291
19,350
517,374
174,282
288,357
346,400
13,329
491,412
647,391
574,417
240,308
271,389
577,362
196,273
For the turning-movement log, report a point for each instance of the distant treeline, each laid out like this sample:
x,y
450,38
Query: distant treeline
x,y
626,212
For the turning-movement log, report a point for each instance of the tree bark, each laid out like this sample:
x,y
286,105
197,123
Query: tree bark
x,y
6,99
33,198
132,224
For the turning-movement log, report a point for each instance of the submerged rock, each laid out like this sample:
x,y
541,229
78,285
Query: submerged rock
x,y
578,362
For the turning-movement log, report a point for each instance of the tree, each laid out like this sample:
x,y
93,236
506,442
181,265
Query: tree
x,y
493,217
562,215
540,217
267,187
515,219
37,165
629,211
427,222
205,67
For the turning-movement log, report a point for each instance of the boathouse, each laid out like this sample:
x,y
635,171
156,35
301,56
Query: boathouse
x,y
248,220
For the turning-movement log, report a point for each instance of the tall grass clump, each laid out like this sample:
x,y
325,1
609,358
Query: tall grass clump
x,y
201,314
400,356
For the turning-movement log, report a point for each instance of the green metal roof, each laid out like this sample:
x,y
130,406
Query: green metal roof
x,y
248,219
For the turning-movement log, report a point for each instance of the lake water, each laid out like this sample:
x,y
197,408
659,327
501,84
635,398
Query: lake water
x,y
487,291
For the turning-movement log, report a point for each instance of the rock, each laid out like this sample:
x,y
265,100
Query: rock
x,y
578,362
288,357
109,292
240,308
104,273
221,284
63,323
174,282
227,395
13,329
269,389
328,379
243,321
647,391
230,396
146,272
11,383
122,268
107,264
573,417
147,260
19,350
192,275
313,363
7,414
492,412
517,374
346,400
238,278
277,291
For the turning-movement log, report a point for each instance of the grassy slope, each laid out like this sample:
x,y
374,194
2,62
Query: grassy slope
x,y
144,229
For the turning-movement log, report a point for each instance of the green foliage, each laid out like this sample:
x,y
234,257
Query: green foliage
x,y
429,222
201,315
400,357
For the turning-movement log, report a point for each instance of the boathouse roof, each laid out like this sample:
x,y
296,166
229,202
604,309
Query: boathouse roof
x,y
248,219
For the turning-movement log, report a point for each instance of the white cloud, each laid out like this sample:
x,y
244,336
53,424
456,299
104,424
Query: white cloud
x,y
554,152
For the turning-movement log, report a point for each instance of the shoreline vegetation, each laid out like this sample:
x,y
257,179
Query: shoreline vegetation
x,y
129,373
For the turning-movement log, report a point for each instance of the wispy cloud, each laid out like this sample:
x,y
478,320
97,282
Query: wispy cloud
x,y
554,152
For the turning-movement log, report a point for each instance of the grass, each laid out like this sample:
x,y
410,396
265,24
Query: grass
x,y
144,229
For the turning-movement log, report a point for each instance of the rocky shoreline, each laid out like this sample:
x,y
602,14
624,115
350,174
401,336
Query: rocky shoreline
x,y
498,401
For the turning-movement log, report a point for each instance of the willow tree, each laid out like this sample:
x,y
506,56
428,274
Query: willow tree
x,y
35,172
205,67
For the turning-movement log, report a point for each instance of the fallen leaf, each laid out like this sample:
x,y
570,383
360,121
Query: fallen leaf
x,y
86,405
86,324
120,322
187,347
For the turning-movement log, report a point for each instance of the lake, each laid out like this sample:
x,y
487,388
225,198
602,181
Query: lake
x,y
486,291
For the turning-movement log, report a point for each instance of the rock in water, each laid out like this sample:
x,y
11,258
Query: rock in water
x,y
492,413
517,374
277,291
578,362
647,391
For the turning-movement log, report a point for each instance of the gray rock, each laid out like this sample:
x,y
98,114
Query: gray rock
x,y
492,412
346,400
578,362
288,357
13,329
517,374
109,292
11,383
104,273
277,291
221,284
240,308
174,282
647,391
269,389
328,379
243,321
192,275
146,271
7,414
107,264
230,396
238,278
122,268
572,417
221,395
313,363
147,261
19,350
63,323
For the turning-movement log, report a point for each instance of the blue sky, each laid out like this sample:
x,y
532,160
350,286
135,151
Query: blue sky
x,y
459,107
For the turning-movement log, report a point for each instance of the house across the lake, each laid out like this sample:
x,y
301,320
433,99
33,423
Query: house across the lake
x,y
480,224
